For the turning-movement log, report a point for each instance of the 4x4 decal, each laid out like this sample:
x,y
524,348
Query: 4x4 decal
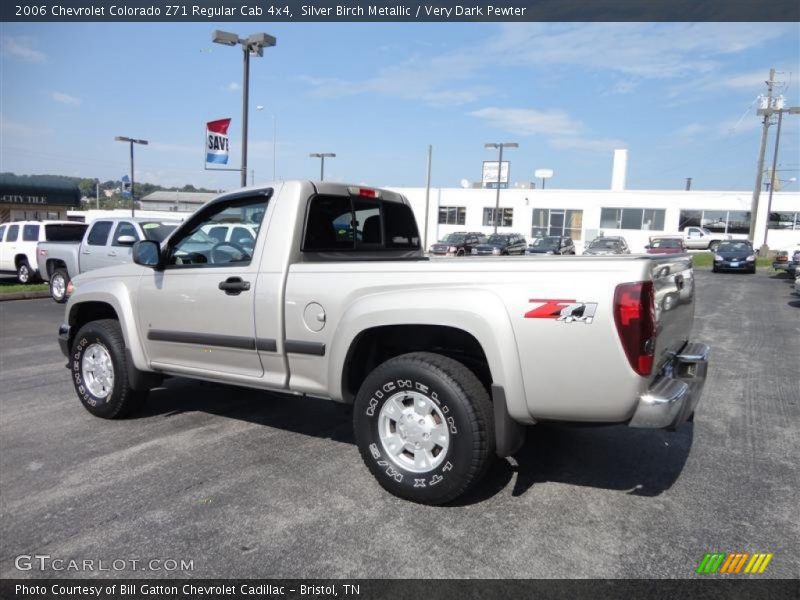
x,y
566,311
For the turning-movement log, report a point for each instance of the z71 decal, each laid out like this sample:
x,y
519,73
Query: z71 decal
x,y
565,311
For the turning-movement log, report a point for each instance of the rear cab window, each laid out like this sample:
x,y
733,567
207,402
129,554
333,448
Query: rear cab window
x,y
2,232
354,223
13,233
64,233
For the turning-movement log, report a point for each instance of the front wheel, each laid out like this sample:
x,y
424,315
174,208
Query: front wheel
x,y
424,426
58,285
99,371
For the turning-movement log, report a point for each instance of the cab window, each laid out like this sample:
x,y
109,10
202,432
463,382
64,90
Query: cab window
x,y
98,236
2,232
30,233
198,243
13,233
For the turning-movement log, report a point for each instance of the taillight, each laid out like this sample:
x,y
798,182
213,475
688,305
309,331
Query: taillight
x,y
635,317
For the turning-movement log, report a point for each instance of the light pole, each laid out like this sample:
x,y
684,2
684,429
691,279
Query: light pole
x,y
274,140
131,141
499,146
322,156
253,44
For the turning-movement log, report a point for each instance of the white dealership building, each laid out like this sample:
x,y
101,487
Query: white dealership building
x,y
584,214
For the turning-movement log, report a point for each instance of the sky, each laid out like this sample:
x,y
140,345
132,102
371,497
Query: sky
x,y
680,96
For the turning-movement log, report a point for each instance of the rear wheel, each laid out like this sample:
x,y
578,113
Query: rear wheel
x,y
24,272
424,426
58,285
99,371
713,246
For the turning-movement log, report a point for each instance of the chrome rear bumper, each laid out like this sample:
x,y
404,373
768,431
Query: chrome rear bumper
x,y
673,396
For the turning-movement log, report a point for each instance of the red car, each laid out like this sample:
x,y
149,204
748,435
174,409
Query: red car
x,y
665,245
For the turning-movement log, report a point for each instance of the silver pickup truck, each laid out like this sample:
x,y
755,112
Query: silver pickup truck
x,y
445,362
106,243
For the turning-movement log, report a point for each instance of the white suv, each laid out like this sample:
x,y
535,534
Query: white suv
x,y
18,242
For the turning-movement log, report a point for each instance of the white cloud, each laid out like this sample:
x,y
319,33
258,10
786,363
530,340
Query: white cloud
x,y
232,87
634,52
737,127
66,98
529,121
21,47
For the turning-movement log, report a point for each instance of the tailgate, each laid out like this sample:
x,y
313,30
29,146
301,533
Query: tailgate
x,y
674,286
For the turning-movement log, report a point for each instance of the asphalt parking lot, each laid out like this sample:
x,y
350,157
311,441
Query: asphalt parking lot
x,y
249,484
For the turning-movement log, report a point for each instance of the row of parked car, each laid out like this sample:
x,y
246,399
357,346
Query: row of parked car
x,y
464,243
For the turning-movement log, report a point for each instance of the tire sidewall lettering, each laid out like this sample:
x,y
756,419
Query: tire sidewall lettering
x,y
83,393
378,396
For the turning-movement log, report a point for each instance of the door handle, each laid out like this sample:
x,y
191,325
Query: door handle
x,y
233,286
112,253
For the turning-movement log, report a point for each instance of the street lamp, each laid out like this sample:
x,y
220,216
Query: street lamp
x,y
274,140
500,147
253,44
131,141
322,156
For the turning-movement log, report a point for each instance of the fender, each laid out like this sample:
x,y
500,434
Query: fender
x,y
480,313
116,293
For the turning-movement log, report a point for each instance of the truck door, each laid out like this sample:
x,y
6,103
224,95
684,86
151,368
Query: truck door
x,y
93,251
196,315
694,238
9,249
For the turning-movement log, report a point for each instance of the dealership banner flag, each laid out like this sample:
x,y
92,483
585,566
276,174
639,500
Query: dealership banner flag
x,y
217,146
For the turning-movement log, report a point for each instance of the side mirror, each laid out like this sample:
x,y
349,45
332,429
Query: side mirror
x,y
647,247
147,253
126,240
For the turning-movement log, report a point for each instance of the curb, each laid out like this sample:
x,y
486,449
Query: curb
x,y
24,295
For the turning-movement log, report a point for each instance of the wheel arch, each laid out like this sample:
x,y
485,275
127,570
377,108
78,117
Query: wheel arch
x,y
477,329
114,303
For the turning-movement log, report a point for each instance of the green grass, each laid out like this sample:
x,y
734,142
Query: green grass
x,y
706,259
12,288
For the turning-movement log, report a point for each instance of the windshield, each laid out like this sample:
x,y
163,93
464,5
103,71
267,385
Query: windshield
x,y
158,232
547,242
666,244
604,244
735,246
454,238
497,239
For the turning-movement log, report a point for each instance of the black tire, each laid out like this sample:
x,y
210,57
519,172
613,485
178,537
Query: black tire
x,y
463,402
122,400
460,252
713,246
714,269
63,276
24,272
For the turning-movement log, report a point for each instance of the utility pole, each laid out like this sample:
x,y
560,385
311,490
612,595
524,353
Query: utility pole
x,y
688,183
760,171
97,192
427,200
131,141
774,175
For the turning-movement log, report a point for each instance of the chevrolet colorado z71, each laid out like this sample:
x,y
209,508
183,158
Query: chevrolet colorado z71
x,y
444,362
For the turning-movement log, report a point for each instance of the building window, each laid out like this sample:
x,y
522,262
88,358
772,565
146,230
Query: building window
x,y
504,218
452,215
718,221
650,219
784,220
554,221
